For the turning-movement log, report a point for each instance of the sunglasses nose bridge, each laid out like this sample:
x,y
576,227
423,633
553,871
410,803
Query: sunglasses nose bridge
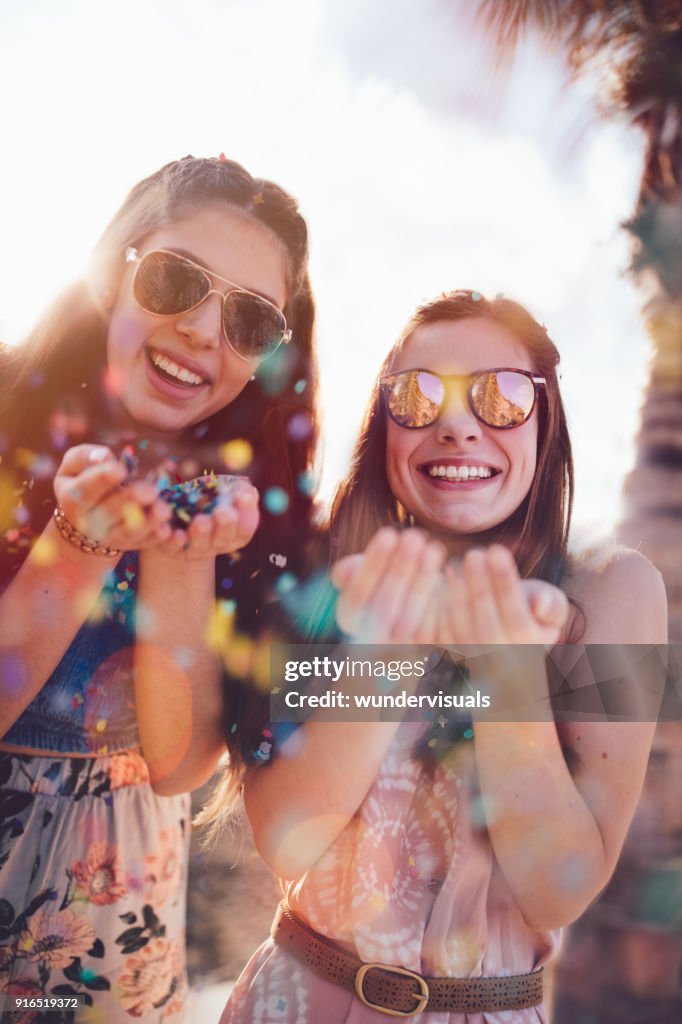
x,y
200,320
222,299
457,420
214,291
455,396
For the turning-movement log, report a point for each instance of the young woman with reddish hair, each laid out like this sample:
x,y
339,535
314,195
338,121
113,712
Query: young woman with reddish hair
x,y
450,854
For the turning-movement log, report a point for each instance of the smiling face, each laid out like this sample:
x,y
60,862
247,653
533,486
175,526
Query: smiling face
x,y
147,354
421,464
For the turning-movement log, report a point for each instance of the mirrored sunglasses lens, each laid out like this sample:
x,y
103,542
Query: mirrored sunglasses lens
x,y
165,284
254,327
503,399
414,398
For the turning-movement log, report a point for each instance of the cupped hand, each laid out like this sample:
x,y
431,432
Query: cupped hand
x,y
387,595
229,527
549,605
92,488
486,603
447,619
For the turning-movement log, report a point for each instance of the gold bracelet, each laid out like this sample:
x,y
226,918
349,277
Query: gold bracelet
x,y
79,540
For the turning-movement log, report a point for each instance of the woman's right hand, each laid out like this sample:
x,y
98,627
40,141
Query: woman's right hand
x,y
90,485
386,596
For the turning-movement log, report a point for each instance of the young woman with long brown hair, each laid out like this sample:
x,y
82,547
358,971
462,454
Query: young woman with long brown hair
x,y
450,854
187,352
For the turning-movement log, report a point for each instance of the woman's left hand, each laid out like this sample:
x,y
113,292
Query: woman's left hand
x,y
485,601
229,527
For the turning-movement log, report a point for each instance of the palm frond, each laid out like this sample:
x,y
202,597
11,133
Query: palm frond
x,y
506,20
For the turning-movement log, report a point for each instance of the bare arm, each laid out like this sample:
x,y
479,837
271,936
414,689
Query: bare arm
x,y
40,613
299,804
57,587
556,834
178,675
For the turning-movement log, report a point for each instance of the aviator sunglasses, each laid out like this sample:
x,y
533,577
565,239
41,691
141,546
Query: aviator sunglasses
x,y
167,284
502,398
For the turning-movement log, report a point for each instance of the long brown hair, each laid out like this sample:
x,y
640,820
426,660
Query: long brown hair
x,y
537,531
59,368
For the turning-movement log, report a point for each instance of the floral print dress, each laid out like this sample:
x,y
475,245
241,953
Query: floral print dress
x,y
92,862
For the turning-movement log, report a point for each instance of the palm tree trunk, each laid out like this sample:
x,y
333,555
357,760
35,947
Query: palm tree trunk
x,y
652,519
622,962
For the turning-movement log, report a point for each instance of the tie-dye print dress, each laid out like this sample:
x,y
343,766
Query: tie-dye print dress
x,y
411,881
92,862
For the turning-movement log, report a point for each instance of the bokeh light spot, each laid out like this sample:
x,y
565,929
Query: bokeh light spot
x,y
276,501
236,455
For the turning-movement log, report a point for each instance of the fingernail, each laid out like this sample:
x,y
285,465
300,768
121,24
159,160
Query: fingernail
x,y
100,455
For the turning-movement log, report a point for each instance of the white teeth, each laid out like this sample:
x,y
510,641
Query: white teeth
x,y
173,370
460,472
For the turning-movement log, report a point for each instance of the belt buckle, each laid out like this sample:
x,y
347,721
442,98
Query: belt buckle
x,y
422,997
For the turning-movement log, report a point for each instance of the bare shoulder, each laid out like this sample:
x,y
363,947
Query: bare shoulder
x,y
621,596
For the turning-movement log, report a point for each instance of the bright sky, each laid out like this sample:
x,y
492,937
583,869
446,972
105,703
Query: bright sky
x,y
417,172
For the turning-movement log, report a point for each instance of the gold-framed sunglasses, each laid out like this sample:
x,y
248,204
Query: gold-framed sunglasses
x,y
167,284
503,397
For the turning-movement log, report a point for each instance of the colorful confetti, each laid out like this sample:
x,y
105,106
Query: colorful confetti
x,y
285,583
263,752
276,501
129,459
194,497
237,455
42,467
133,516
307,482
13,673
300,426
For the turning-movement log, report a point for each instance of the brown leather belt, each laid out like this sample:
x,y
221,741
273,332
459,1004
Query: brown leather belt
x,y
396,991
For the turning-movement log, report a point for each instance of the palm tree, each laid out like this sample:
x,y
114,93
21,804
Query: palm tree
x,y
636,46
